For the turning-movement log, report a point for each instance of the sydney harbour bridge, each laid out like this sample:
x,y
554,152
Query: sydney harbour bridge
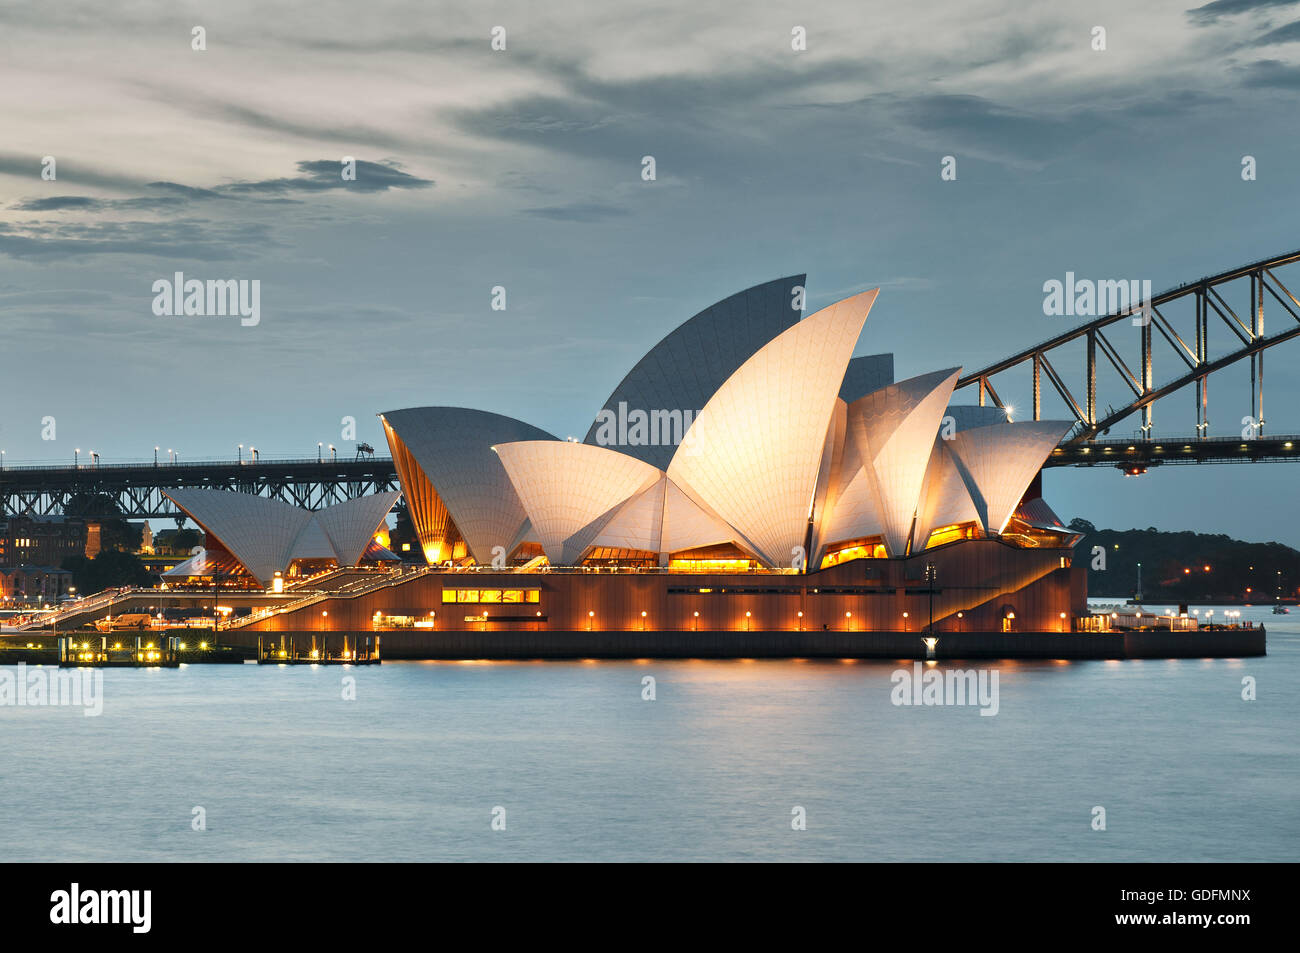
x,y
1101,373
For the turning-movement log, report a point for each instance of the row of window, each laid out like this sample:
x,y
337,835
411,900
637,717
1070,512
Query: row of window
x,y
490,595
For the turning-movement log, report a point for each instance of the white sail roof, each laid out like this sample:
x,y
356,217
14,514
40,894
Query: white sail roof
x,y
351,525
945,500
266,535
258,531
448,471
886,448
570,491
999,461
757,445
682,372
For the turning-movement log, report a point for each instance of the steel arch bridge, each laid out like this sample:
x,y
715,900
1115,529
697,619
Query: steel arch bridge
x,y
137,489
1197,308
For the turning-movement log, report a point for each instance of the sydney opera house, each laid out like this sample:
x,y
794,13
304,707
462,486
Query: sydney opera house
x,y
748,475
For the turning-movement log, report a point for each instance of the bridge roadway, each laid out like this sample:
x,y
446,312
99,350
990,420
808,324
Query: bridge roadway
x,y
1170,450
136,488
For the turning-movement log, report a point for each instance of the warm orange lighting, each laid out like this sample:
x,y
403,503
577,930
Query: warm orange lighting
x,y
643,613
1207,568
864,550
950,534
697,614
849,615
746,615
590,614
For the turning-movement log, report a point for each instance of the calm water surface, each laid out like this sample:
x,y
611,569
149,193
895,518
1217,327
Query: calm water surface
x,y
413,768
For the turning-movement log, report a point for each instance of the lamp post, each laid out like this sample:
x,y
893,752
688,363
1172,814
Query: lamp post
x,y
931,575
76,458
318,451
333,454
240,453
155,456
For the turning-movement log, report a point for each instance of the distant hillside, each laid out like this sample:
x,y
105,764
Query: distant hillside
x,y
1174,566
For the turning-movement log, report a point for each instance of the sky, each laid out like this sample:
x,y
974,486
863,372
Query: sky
x,y
522,168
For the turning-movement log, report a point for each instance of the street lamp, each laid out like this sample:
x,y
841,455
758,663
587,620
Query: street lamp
x,y
94,458
931,574
333,454
241,453
76,458
254,451
318,448
155,456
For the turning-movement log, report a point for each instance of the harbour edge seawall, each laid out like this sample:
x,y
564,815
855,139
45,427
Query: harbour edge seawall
x,y
528,645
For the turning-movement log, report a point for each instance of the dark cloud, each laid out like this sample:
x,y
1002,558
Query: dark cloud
x,y
185,239
1224,8
1283,34
321,175
1270,74
58,203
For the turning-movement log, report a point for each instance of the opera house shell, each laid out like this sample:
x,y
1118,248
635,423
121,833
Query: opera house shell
x,y
750,487
749,438
264,538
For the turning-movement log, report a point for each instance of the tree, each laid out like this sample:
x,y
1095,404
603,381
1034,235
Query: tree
x,y
109,569
1081,525
114,530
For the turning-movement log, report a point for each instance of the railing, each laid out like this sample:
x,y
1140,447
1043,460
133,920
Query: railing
x,y
263,460
359,588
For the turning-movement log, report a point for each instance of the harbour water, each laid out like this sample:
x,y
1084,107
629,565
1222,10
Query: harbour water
x,y
714,768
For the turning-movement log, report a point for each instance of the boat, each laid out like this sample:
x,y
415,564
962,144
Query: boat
x,y
1281,610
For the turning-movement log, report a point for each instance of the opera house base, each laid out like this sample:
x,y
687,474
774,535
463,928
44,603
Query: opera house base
x,y
990,599
819,645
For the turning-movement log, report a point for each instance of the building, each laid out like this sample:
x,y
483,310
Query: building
x,y
749,474
40,540
29,585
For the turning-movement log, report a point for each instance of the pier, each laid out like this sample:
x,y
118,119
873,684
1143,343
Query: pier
x,y
318,648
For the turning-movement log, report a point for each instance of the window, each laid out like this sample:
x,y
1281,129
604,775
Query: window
x,y
491,596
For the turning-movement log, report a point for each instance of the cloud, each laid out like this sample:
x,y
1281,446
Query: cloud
x,y
1223,8
578,212
325,174
196,239
1272,74
1283,34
